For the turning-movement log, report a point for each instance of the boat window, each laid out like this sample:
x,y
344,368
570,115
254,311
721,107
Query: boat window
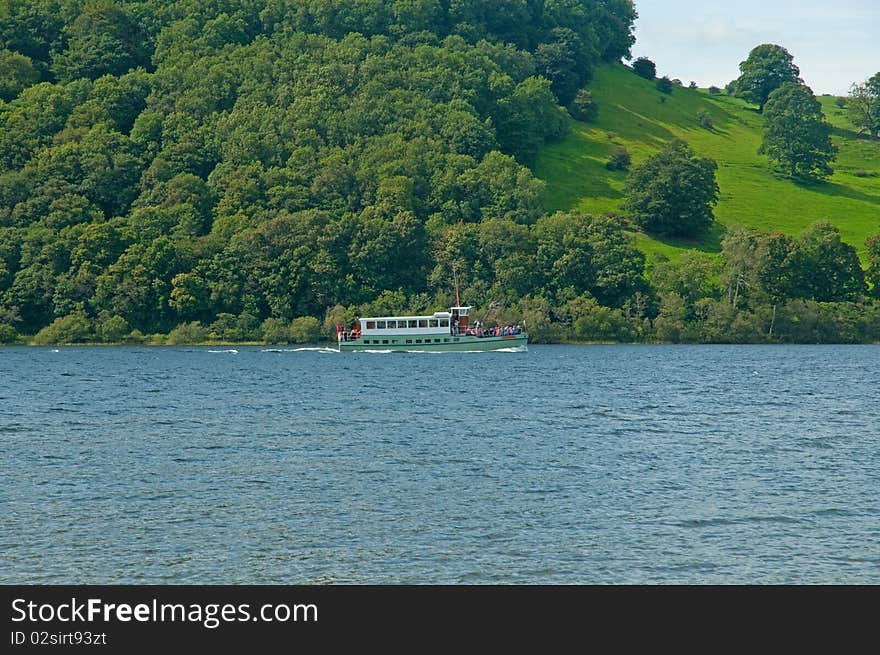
x,y
371,325
418,341
444,322
392,325
432,323
436,340
413,324
366,342
409,340
385,342
423,323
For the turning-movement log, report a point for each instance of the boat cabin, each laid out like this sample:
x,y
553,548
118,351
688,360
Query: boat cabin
x,y
439,324
438,332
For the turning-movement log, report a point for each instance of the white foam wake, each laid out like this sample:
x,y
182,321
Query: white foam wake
x,y
299,350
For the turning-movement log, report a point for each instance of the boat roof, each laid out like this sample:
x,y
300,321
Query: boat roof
x,y
406,318
435,315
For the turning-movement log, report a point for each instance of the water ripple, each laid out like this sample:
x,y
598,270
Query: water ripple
x,y
557,465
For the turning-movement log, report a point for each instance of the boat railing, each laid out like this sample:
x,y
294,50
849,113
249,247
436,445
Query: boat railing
x,y
480,333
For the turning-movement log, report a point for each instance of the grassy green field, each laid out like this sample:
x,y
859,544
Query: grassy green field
x,y
633,114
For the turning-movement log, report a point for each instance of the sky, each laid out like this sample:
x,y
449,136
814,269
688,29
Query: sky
x,y
834,43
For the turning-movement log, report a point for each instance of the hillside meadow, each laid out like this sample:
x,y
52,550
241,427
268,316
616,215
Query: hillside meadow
x,y
635,115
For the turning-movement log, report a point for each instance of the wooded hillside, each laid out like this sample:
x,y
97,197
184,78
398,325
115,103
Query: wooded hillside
x,y
241,170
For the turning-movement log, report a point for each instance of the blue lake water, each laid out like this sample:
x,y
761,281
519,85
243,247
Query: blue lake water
x,y
562,464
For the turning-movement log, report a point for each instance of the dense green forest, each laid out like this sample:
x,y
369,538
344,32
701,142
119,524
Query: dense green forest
x,y
257,170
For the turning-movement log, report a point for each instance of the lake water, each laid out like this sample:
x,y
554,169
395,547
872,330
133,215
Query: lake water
x,y
562,464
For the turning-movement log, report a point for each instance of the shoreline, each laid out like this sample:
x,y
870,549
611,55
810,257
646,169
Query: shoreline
x,y
330,344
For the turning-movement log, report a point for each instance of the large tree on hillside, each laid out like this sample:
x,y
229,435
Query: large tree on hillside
x,y
796,135
644,67
825,268
863,105
614,26
565,60
767,68
673,192
589,254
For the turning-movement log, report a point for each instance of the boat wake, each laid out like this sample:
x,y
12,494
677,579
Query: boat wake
x,y
231,351
517,349
325,350
299,350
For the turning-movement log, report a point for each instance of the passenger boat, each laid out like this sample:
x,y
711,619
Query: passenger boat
x,y
439,332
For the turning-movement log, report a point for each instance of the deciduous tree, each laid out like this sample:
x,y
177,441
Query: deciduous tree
x,y
104,38
796,135
863,105
767,68
644,67
17,72
826,269
673,192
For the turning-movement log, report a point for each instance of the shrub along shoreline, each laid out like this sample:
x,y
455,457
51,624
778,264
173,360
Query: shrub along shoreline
x,y
763,288
582,321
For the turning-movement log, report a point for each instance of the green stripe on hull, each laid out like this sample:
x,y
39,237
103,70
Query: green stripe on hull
x,y
464,344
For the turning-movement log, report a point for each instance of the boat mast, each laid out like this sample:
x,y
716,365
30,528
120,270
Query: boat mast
x,y
455,279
